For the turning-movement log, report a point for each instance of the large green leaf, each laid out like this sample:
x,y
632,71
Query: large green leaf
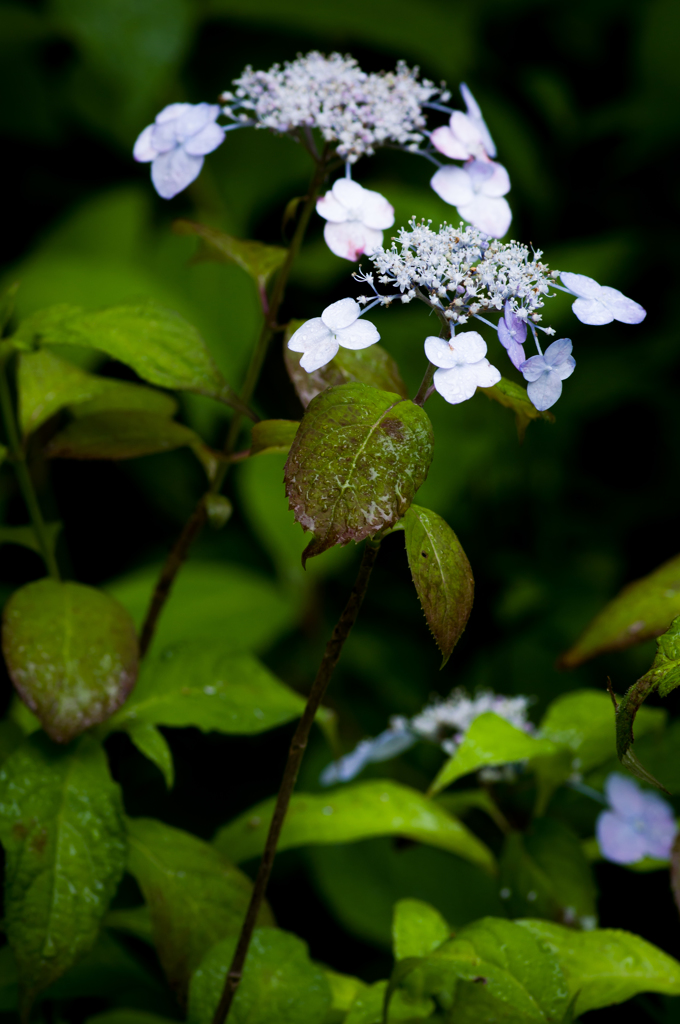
x,y
356,462
490,741
441,574
513,396
280,983
344,990
62,829
607,965
71,652
258,260
158,344
195,896
354,812
643,609
417,929
368,1007
273,436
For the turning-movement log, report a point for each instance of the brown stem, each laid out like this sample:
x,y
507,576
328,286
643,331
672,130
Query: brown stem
x,y
290,773
425,389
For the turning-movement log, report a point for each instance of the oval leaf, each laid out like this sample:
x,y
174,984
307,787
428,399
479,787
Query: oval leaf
x,y
71,652
417,929
441,574
273,436
360,811
62,829
120,435
356,462
513,396
194,895
258,260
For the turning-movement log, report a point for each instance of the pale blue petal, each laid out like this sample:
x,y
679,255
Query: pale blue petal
x,y
172,172
205,141
533,367
545,391
618,840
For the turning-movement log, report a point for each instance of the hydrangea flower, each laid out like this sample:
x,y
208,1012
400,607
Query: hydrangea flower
x,y
463,366
393,741
639,824
512,333
466,135
546,372
176,144
320,338
476,190
356,218
598,304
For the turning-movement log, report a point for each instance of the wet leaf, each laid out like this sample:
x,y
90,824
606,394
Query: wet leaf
x,y
513,396
344,990
71,652
273,436
643,609
441,574
62,830
280,983
120,435
356,462
195,896
417,929
369,1004
354,812
258,260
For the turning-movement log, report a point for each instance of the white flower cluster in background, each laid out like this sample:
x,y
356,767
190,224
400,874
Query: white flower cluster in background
x,y
357,110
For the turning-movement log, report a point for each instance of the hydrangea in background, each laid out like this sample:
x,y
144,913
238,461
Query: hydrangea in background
x,y
638,824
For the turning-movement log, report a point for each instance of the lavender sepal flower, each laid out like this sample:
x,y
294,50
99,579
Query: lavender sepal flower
x,y
598,304
639,824
393,741
176,144
545,373
512,332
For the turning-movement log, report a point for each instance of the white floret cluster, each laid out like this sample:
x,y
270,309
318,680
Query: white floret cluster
x,y
353,108
446,721
463,272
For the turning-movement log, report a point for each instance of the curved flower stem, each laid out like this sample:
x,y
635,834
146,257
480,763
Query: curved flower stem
x,y
196,521
290,773
425,389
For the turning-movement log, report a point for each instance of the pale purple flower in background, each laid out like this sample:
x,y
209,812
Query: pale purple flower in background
x,y
639,824
463,366
176,143
512,333
476,190
320,338
393,741
466,135
356,219
598,304
545,373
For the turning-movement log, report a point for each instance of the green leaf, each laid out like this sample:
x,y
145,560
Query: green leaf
x,y
152,744
513,396
246,610
374,366
357,460
205,685
441,574
25,536
62,830
368,1006
258,260
544,871
417,929
358,811
159,345
273,436
344,990
71,652
46,383
134,920
280,983
194,895
606,966
490,741
643,609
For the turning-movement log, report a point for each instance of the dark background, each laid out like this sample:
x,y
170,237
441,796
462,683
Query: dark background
x,y
584,103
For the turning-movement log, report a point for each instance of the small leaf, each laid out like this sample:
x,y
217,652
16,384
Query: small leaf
x,y
62,830
273,436
25,536
159,345
513,396
356,462
643,609
441,574
134,920
359,811
606,966
120,435
372,365
258,260
490,741
153,744
194,895
71,653
417,929
280,984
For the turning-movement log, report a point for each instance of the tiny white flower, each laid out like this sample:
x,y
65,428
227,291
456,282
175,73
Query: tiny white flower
x,y
476,190
356,219
463,366
176,143
598,304
320,338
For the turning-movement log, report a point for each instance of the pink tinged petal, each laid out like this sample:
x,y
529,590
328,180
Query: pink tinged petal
x,y
449,144
475,114
172,172
545,391
439,352
311,333
331,209
196,118
376,211
579,284
341,314
352,239
623,308
319,354
592,311
486,374
453,185
144,149
457,384
617,839
172,112
493,216
469,347
361,334
205,141
349,193
466,130
624,795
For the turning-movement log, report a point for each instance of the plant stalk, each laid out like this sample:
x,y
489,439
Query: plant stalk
x,y
424,390
290,773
